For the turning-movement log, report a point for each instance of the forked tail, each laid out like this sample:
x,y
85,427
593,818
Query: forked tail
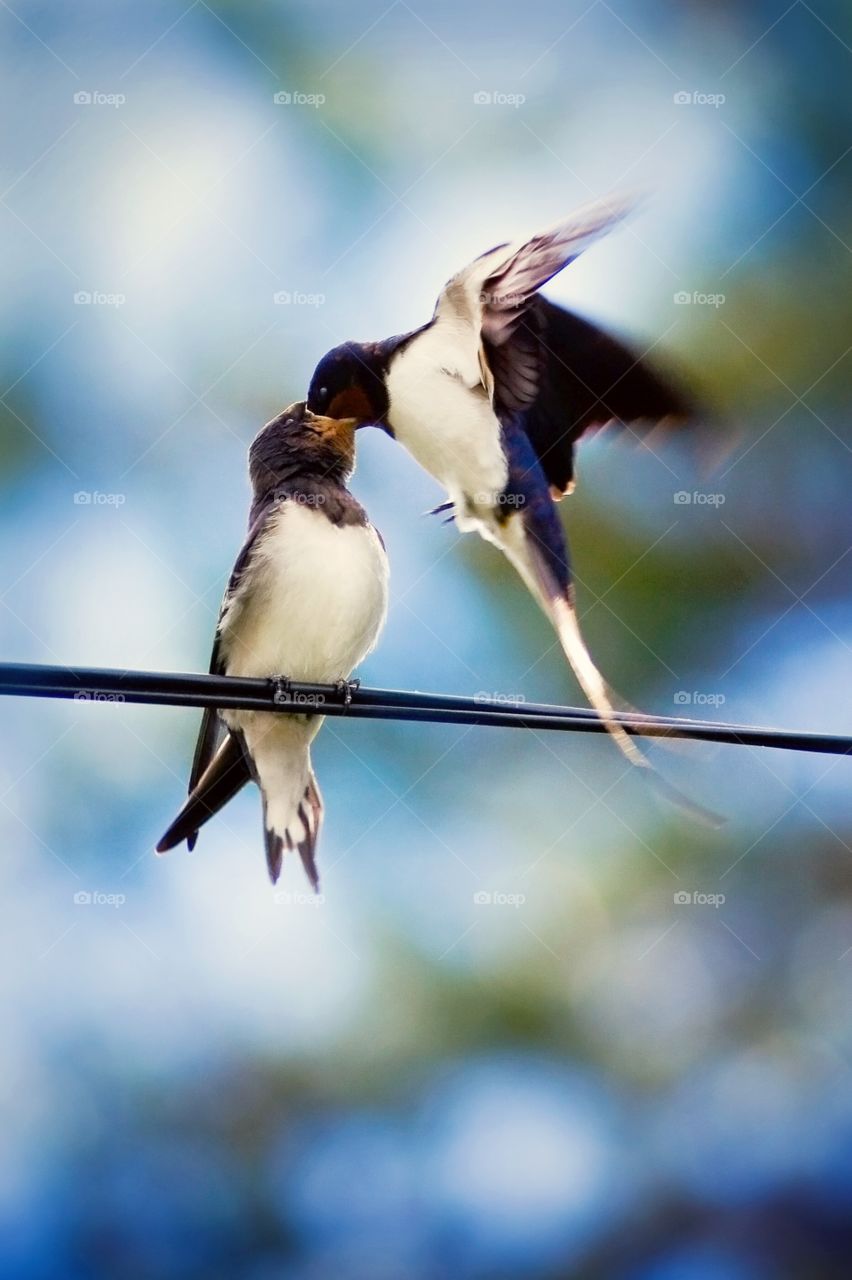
x,y
564,618
300,833
527,556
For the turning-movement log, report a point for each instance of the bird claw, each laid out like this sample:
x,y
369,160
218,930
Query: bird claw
x,y
346,689
282,690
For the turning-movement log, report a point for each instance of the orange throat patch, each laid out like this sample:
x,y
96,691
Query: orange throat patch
x,y
352,403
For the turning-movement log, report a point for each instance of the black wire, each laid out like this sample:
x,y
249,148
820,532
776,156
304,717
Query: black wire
x,y
190,690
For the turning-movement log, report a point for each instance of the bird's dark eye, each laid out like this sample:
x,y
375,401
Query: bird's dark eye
x,y
322,394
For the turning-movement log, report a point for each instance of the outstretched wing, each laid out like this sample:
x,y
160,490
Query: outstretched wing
x,y
509,286
486,300
568,377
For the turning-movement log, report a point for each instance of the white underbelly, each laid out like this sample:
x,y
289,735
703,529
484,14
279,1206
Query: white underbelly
x,y
448,427
312,602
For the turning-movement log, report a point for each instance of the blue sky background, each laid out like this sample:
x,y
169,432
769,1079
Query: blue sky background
x,y
585,1076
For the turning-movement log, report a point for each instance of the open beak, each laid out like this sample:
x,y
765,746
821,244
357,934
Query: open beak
x,y
338,429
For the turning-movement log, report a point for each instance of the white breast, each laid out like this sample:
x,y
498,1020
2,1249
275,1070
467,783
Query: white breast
x,y
441,414
312,601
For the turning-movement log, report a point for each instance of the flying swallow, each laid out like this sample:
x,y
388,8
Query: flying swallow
x,y
307,598
491,397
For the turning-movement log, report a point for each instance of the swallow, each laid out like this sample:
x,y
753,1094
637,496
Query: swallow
x,y
307,598
491,397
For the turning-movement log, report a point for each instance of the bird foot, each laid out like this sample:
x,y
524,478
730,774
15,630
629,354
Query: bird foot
x,y
346,689
282,689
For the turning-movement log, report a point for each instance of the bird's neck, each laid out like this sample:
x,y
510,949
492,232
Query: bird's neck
x,y
308,488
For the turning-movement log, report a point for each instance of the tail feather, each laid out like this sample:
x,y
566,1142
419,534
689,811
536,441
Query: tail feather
x,y
300,834
226,774
528,558
521,546
600,697
564,618
274,851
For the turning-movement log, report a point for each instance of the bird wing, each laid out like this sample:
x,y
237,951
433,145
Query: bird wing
x,y
486,300
225,775
567,375
213,732
511,283
568,378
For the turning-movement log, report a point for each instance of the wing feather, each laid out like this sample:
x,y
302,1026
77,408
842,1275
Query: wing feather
x,y
589,379
508,289
212,732
562,372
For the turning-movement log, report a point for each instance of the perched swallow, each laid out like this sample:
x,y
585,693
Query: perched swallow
x,y
492,395
307,598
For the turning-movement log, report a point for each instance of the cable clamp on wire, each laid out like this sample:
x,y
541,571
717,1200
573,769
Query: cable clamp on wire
x,y
282,690
346,689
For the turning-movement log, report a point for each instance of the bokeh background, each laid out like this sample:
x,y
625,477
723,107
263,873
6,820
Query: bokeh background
x,y
632,1059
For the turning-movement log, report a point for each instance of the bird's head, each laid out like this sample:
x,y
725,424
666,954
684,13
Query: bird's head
x,y
348,383
299,444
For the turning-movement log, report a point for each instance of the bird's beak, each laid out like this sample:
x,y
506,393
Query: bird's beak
x,y
340,430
